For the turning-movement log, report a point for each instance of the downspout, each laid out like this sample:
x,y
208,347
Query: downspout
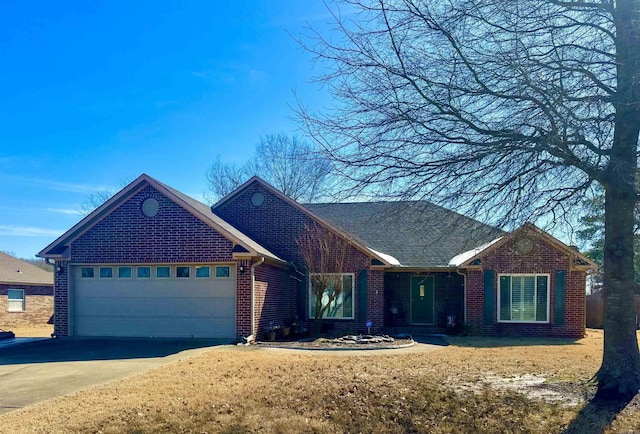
x,y
464,301
252,336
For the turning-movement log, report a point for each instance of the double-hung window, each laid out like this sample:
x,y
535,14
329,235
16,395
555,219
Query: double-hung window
x,y
337,297
16,300
523,298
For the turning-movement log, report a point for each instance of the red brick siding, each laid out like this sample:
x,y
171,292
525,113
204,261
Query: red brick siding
x,y
375,302
126,235
243,299
274,297
276,225
543,259
61,300
38,304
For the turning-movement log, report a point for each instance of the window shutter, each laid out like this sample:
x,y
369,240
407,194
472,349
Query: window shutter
x,y
489,279
302,299
505,298
560,290
361,315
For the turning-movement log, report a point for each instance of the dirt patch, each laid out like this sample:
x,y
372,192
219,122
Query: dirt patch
x,y
537,387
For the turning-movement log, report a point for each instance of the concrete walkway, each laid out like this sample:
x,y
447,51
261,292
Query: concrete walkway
x,y
37,370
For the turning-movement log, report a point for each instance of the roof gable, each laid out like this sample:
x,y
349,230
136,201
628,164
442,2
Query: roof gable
x,y
473,258
378,259
16,271
201,211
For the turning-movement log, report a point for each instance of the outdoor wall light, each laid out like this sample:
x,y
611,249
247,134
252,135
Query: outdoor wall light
x,y
59,269
242,269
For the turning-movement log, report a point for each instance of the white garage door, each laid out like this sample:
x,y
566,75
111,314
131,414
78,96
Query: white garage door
x,y
154,300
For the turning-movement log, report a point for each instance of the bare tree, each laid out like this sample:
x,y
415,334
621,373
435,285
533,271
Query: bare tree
x,y
287,162
223,178
324,253
512,109
94,200
97,198
293,166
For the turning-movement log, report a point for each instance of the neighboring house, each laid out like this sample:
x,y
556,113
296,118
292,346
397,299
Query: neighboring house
x,y
152,261
26,292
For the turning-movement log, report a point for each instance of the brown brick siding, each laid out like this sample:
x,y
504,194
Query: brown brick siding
x,y
274,298
38,305
243,299
61,300
126,235
276,225
544,258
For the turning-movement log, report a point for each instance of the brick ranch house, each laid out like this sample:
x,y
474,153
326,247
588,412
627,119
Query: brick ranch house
x,y
26,293
153,262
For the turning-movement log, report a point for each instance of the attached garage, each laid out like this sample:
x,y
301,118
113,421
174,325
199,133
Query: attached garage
x,y
154,262
167,300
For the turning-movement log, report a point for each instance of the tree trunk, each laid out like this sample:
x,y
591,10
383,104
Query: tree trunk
x,y
619,374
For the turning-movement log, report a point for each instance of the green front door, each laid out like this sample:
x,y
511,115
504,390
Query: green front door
x,y
422,300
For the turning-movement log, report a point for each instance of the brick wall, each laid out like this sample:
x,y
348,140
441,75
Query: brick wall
x,y
544,258
126,235
243,299
274,298
172,235
276,224
375,302
61,299
38,305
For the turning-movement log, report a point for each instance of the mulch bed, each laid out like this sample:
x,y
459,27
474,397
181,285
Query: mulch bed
x,y
365,342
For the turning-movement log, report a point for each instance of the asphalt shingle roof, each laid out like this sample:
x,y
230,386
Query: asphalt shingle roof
x,y
416,233
14,270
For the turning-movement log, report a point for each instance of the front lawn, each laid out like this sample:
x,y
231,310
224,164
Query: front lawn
x,y
474,385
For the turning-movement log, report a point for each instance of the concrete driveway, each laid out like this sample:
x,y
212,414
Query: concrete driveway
x,y
40,370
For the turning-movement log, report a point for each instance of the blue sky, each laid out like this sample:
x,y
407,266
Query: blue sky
x,y
96,92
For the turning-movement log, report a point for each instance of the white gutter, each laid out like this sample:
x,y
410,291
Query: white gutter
x,y
253,301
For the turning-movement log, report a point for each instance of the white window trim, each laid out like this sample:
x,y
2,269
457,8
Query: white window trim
x,y
311,312
548,276
23,305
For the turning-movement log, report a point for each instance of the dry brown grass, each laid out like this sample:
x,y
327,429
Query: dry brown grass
x,y
29,330
233,390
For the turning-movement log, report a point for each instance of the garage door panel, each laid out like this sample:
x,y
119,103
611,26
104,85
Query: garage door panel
x,y
154,307
174,289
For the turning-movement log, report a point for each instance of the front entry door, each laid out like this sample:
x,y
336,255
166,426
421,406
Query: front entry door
x,y
422,300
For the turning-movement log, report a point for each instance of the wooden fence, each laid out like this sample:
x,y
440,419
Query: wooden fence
x,y
595,311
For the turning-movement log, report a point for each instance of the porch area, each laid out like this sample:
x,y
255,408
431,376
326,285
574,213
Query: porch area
x,y
420,303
